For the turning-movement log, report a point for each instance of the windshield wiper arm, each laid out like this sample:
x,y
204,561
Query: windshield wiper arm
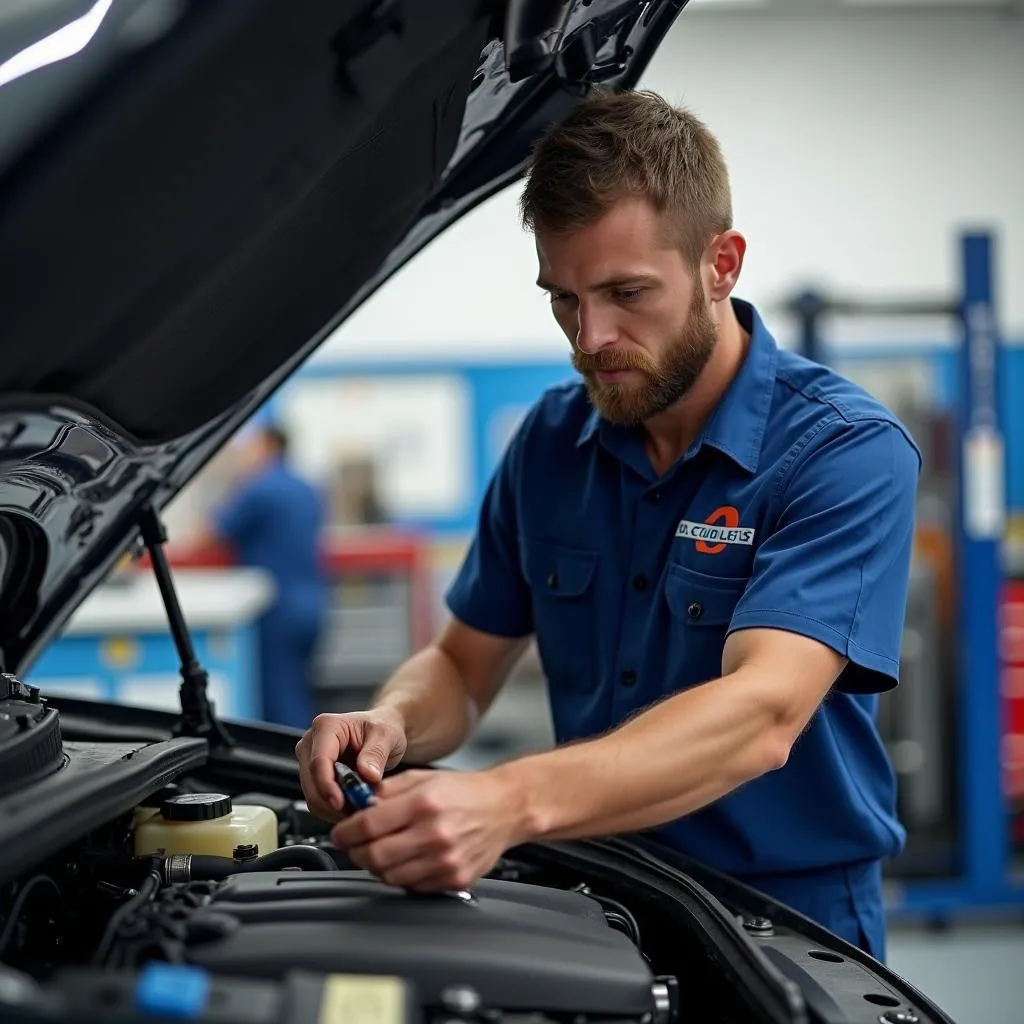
x,y
198,716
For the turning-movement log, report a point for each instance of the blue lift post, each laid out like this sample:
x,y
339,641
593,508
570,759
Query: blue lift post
x,y
981,525
985,881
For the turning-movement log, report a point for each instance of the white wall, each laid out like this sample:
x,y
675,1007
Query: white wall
x,y
859,144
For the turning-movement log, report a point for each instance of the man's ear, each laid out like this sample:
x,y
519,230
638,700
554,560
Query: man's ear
x,y
723,259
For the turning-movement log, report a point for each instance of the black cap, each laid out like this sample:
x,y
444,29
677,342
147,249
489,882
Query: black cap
x,y
196,807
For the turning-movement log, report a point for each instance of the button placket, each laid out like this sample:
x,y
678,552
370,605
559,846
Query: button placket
x,y
639,590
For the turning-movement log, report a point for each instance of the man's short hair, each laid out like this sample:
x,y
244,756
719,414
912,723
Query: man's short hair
x,y
617,145
277,436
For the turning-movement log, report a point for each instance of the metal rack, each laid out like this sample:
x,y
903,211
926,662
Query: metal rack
x,y
381,612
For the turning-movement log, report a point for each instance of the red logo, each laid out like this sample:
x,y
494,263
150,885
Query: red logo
x,y
726,516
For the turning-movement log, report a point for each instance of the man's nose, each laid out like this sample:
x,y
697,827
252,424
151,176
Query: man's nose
x,y
595,329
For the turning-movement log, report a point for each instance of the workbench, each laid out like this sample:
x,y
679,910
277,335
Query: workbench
x,y
117,645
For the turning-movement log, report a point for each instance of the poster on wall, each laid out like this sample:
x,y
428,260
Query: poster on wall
x,y
414,430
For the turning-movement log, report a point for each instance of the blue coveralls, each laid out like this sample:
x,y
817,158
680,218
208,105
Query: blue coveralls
x,y
794,510
274,522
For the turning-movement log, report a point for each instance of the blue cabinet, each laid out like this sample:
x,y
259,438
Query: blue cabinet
x,y
117,646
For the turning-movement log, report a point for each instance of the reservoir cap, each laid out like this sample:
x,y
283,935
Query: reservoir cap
x,y
196,807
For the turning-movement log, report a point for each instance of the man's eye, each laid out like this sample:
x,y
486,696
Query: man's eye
x,y
628,294
559,297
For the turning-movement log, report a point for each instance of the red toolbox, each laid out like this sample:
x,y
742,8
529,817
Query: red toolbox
x,y
1011,638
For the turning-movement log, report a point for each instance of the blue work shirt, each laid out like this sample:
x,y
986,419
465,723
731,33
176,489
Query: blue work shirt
x,y
274,522
793,510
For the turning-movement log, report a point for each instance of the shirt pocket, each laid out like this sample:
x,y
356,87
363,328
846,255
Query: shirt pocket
x,y
561,586
700,610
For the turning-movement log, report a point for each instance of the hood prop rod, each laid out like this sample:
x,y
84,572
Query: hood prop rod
x,y
198,716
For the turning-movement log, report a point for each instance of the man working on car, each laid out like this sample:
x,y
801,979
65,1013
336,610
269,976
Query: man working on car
x,y
710,539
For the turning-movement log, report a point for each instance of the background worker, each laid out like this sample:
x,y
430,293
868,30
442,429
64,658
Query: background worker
x,y
710,539
274,521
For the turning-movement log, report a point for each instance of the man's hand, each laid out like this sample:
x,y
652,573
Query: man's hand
x,y
376,737
432,830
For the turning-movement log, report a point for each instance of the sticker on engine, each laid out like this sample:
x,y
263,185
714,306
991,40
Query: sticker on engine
x,y
363,999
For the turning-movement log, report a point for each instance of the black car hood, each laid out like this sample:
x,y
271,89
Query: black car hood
x,y
193,195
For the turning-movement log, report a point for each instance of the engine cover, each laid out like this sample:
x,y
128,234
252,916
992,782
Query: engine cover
x,y
522,947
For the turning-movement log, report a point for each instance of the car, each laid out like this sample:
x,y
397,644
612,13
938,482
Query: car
x,y
193,195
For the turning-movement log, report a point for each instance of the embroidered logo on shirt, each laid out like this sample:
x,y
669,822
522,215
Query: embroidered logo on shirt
x,y
717,532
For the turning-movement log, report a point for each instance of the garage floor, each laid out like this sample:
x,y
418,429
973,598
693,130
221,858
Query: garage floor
x,y
974,973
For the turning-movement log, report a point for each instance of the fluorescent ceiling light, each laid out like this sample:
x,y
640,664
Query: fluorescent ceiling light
x,y
988,4
728,5
59,45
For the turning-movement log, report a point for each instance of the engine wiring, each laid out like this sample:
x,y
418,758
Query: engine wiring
x,y
146,893
18,907
617,914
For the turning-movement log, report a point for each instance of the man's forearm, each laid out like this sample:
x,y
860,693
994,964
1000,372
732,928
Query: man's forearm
x,y
673,759
429,694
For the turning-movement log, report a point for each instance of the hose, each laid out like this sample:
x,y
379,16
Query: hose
x,y
309,858
146,892
202,867
7,935
617,914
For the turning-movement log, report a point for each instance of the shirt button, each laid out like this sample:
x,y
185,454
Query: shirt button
x,y
553,580
628,677
640,581
652,497
695,609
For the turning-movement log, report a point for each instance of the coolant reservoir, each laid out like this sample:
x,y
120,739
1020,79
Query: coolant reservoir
x,y
205,823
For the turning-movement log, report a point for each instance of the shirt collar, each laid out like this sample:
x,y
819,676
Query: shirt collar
x,y
737,425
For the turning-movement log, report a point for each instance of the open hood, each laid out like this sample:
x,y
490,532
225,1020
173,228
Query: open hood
x,y
193,195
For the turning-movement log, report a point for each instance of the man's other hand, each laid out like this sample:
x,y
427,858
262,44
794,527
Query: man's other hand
x,y
375,738
432,830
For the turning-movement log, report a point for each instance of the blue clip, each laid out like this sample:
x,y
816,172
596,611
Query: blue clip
x,y
172,990
357,793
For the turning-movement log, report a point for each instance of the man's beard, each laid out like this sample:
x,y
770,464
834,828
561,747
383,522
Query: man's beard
x,y
664,383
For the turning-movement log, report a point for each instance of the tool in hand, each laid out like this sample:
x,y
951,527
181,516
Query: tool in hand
x,y
357,793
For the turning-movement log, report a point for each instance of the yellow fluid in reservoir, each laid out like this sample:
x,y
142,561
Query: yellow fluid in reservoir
x,y
205,823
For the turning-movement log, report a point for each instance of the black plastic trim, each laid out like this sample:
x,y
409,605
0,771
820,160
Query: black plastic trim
x,y
663,859
96,786
777,999
33,752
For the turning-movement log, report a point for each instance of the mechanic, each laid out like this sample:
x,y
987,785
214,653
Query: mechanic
x,y
273,521
710,539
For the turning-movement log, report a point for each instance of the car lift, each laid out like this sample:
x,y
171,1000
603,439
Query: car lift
x,y
985,882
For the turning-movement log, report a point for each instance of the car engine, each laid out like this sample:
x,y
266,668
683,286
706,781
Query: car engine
x,y
114,932
146,878
518,947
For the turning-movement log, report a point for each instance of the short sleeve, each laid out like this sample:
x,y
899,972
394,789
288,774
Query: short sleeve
x,y
490,593
234,521
837,565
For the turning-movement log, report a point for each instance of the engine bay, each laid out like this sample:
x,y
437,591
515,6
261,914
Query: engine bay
x,y
514,945
147,876
520,947
114,929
